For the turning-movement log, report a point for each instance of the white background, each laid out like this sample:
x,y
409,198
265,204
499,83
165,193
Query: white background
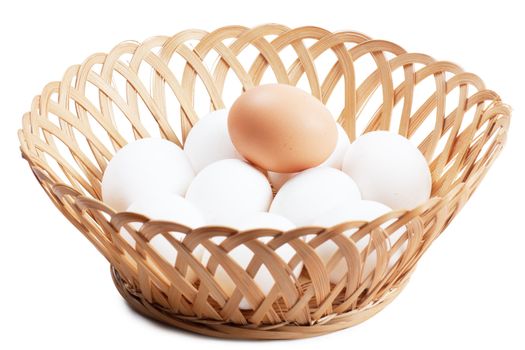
x,y
55,288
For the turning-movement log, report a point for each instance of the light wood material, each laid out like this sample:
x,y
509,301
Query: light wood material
x,y
76,125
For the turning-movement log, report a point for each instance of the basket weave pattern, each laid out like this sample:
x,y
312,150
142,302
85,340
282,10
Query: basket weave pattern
x,y
76,125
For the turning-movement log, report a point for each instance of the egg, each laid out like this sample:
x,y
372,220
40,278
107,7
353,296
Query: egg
x,y
335,160
363,210
209,141
167,207
389,169
313,192
229,187
282,128
242,255
279,179
144,167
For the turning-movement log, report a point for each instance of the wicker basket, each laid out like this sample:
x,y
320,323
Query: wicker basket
x,y
161,86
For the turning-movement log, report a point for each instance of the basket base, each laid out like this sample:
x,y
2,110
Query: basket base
x,y
219,329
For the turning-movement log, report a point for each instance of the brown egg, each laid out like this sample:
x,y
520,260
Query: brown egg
x,y
281,128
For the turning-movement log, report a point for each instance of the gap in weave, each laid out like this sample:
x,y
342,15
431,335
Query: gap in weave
x,y
122,124
232,89
389,56
191,43
398,78
156,50
452,102
92,93
396,116
308,42
83,145
371,106
349,45
268,77
228,41
270,37
364,66
445,172
488,143
173,111
201,99
147,119
469,116
479,135
65,153
324,63
57,170
422,92
55,119
304,84
146,75
126,57
97,67
424,129
119,119
336,101
440,148
100,134
177,64
210,60
288,56
247,56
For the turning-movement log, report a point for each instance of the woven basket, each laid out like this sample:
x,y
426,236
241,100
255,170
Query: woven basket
x,y
160,88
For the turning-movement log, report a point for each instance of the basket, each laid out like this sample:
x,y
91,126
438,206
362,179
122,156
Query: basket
x,y
160,88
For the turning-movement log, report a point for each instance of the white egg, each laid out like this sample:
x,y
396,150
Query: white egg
x,y
313,192
229,187
209,141
144,167
167,207
278,179
389,169
242,255
335,160
357,211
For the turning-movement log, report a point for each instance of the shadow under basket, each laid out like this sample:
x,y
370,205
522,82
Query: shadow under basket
x,y
160,88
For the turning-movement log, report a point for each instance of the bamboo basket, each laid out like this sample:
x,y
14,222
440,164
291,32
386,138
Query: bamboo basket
x,y
160,88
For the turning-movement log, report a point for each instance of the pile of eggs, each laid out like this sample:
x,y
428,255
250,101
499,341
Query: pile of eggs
x,y
273,138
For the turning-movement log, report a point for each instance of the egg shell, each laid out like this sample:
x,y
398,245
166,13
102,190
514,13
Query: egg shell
x,y
313,192
144,167
335,160
167,207
242,255
209,141
363,210
282,128
389,169
279,179
229,187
